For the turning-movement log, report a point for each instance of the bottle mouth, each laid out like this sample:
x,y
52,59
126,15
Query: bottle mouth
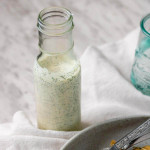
x,y
55,21
145,25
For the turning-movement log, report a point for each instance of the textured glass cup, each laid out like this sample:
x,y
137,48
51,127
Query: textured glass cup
x,y
57,72
140,74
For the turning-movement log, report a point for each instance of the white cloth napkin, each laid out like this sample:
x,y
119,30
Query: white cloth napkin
x,y
106,93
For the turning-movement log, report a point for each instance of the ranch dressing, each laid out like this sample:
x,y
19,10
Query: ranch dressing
x,y
58,86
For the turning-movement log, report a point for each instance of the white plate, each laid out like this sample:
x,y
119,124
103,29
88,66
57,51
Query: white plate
x,y
99,136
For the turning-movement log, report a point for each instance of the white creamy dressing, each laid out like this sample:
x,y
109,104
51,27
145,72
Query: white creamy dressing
x,y
58,86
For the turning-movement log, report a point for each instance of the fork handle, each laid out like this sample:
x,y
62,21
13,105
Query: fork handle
x,y
130,138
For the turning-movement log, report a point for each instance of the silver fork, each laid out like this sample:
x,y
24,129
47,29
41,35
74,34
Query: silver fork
x,y
138,135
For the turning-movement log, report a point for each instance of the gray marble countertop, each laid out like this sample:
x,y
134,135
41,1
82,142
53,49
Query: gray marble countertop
x,y
96,22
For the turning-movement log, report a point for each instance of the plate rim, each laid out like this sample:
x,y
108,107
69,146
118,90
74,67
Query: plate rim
x,y
100,124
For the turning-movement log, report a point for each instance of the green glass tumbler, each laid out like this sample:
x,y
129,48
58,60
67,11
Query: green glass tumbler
x,y
140,74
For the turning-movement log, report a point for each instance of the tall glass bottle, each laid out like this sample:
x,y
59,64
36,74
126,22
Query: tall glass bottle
x,y
57,72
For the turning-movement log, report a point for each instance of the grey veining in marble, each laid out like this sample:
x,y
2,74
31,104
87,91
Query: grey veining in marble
x,y
96,22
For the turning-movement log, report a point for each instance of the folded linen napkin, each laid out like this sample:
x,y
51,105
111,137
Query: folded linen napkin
x,y
106,93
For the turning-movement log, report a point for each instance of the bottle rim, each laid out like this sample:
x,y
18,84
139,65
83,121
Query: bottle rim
x,y
43,25
144,30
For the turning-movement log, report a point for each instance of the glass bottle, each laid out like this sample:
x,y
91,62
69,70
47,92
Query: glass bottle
x,y
140,74
57,72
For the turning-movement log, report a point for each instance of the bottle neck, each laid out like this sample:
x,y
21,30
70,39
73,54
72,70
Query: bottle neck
x,y
59,44
55,30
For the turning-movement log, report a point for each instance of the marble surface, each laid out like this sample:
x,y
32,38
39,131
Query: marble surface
x,y
96,22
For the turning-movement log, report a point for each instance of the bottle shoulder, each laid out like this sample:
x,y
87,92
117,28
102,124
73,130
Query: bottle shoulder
x,y
58,68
